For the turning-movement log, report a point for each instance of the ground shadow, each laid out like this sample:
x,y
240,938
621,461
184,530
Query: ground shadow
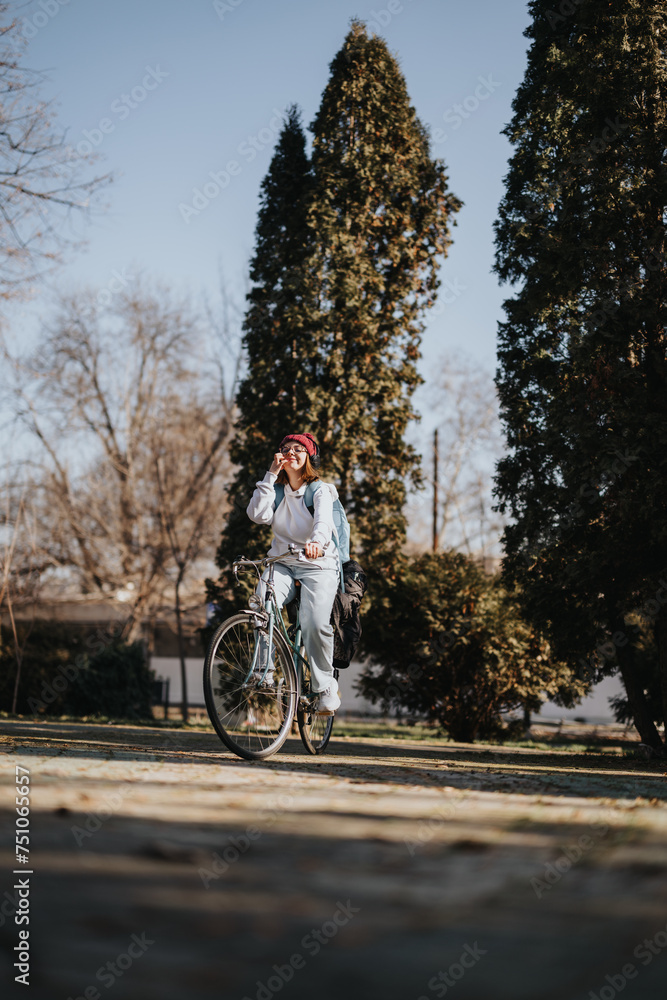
x,y
218,914
520,770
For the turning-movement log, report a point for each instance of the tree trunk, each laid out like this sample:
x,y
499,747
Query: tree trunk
x,y
641,714
435,490
17,680
181,649
661,638
19,649
526,718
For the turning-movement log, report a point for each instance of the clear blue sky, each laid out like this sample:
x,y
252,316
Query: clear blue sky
x,y
218,75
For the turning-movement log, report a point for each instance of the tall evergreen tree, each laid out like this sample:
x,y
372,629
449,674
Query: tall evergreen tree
x,y
379,216
582,362
345,262
273,398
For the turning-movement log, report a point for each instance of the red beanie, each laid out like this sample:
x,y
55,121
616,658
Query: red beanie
x,y
307,440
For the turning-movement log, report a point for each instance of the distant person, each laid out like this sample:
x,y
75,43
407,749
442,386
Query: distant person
x,y
294,466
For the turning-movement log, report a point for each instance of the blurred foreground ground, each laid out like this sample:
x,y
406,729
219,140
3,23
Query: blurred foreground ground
x,y
167,869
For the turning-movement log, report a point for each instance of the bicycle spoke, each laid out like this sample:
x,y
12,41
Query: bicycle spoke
x,y
250,690
315,729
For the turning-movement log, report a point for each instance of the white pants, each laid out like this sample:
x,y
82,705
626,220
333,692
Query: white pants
x,y
318,590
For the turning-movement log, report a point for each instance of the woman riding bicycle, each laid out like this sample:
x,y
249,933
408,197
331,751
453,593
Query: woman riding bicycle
x,y
294,466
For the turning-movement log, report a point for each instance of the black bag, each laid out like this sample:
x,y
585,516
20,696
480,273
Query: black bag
x,y
345,615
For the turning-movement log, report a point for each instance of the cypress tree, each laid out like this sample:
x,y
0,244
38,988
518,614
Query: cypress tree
x,y
582,367
273,398
379,218
345,262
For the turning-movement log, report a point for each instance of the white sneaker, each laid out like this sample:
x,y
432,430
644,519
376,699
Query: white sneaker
x,y
328,701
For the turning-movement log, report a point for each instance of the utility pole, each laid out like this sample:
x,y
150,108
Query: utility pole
x,y
435,490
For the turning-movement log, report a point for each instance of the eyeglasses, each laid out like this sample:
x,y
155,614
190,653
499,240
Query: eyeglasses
x,y
296,448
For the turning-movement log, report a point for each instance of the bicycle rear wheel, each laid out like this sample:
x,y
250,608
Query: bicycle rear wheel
x,y
250,707
315,729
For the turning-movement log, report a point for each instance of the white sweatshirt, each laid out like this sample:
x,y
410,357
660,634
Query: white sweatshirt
x,y
292,522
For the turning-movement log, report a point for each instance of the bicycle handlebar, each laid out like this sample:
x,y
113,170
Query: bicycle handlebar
x,y
259,564
267,560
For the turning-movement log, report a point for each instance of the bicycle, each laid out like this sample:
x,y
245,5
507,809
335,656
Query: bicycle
x,y
257,676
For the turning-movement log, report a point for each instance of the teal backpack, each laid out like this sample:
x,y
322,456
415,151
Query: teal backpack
x,y
341,532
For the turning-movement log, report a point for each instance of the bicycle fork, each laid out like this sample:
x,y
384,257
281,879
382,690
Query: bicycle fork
x,y
261,642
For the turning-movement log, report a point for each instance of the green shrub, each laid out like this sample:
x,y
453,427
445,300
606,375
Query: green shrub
x,y
74,670
51,652
448,644
114,682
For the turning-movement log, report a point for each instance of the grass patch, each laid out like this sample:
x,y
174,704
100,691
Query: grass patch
x,y
388,730
384,729
110,720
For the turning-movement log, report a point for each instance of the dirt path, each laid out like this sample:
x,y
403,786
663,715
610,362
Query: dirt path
x,y
166,868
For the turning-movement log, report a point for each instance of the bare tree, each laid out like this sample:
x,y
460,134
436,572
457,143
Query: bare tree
x,y
464,408
19,573
225,320
189,438
128,407
43,183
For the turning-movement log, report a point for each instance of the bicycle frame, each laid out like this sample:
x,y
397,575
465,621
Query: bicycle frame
x,y
275,619
253,709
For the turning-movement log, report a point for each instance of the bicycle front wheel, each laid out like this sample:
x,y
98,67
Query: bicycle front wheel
x,y
315,729
250,690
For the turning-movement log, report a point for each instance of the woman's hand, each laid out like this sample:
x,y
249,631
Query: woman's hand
x,y
278,461
312,550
